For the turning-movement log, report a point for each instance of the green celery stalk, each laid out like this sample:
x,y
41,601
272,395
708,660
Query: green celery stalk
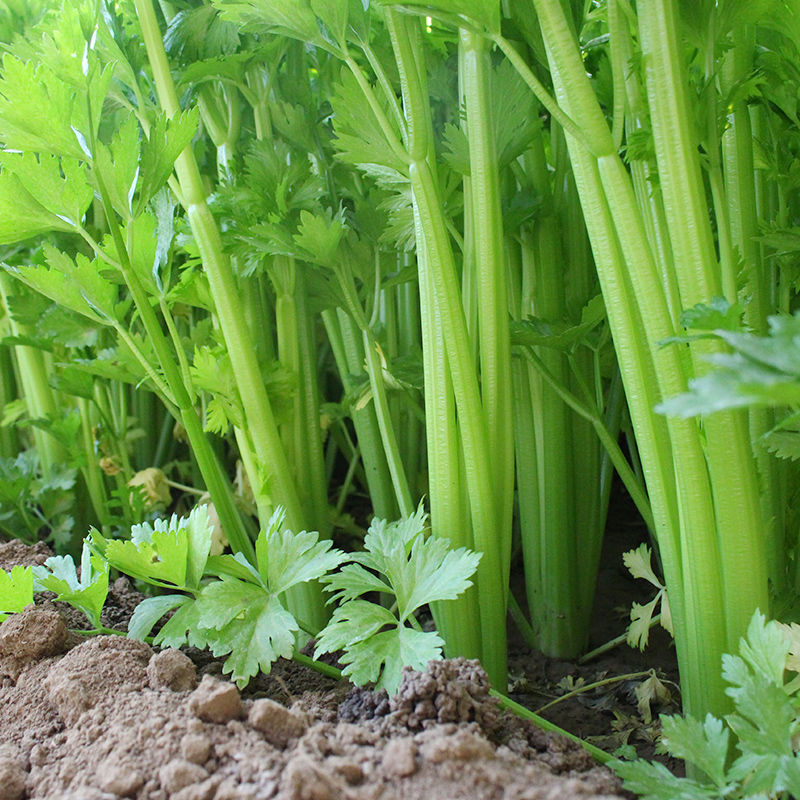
x,y
33,373
438,267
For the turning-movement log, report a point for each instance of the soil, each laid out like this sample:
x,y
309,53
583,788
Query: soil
x,y
106,717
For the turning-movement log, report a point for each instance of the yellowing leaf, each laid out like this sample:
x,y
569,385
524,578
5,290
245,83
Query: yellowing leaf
x,y
641,618
155,486
638,563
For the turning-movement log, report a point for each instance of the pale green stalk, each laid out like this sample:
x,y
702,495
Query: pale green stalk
x,y
740,182
348,349
9,445
33,373
438,267
740,524
262,429
489,266
602,185
683,508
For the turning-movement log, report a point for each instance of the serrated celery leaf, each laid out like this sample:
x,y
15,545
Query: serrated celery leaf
x,y
778,349
16,590
199,33
60,185
638,564
286,559
234,565
719,314
150,611
21,215
641,616
116,364
165,141
433,572
765,648
387,653
359,136
653,781
162,560
118,163
332,21
764,719
183,627
319,235
84,288
59,575
783,444
486,12
246,621
789,775
704,744
201,533
353,622
40,111
212,372
351,581
195,529
292,18
388,543
718,391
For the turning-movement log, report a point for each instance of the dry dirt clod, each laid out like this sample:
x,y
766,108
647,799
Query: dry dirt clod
x,y
179,774
94,671
463,745
118,779
199,791
17,553
399,757
28,637
278,724
172,669
196,747
216,701
12,779
303,779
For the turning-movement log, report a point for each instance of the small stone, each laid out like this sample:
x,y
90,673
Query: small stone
x,y
216,701
179,774
277,723
399,758
118,778
171,669
12,779
196,748
199,791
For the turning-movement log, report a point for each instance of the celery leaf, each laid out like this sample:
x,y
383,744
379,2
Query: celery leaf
x,y
243,614
87,593
16,590
249,623
377,642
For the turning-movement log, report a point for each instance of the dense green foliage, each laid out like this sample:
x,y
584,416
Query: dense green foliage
x,y
354,258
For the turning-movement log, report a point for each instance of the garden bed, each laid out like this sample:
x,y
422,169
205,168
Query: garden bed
x,y
108,717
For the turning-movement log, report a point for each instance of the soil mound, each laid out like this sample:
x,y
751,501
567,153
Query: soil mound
x,y
109,718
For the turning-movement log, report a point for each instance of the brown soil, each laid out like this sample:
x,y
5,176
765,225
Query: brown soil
x,y
107,717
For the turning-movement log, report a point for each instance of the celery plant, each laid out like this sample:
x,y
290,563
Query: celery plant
x,y
703,486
